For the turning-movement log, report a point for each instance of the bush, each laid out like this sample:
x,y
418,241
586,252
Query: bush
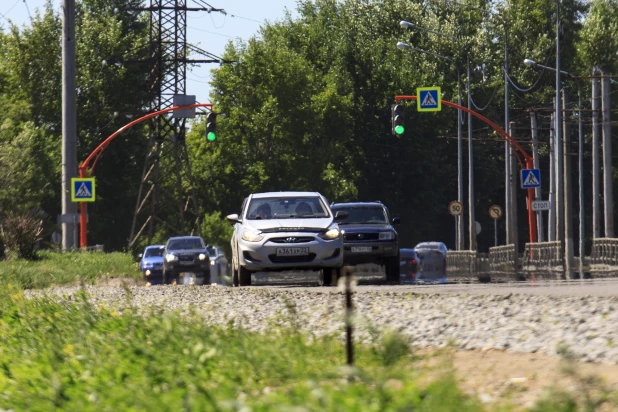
x,y
21,234
1,245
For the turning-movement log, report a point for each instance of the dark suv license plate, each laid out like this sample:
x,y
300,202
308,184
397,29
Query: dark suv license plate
x,y
292,251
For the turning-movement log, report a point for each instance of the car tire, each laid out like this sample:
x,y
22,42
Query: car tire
x,y
244,276
164,277
326,277
393,271
207,278
235,274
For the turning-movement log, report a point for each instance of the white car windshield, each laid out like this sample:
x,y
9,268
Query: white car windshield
x,y
289,207
154,251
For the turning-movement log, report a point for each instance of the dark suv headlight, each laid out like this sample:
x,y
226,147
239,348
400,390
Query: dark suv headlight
x,y
387,235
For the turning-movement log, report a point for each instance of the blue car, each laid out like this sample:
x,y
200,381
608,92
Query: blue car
x,y
151,263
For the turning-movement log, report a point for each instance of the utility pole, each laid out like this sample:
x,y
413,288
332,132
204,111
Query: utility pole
x,y
580,166
507,148
535,155
472,222
608,197
460,191
568,192
596,170
558,134
551,224
513,187
69,126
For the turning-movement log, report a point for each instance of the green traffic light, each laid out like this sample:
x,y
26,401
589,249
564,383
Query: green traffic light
x,y
211,137
399,129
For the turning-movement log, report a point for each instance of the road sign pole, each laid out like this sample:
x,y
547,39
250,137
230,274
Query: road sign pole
x,y
495,232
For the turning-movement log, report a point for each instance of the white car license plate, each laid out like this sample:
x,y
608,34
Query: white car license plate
x,y
361,249
184,262
292,251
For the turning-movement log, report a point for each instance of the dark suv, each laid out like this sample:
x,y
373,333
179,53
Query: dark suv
x,y
186,254
368,236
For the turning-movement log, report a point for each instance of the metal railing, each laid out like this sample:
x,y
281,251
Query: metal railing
x,y
95,248
502,261
604,257
543,257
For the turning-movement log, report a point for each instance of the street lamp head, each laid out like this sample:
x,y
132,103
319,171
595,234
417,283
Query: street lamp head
x,y
405,25
402,45
529,62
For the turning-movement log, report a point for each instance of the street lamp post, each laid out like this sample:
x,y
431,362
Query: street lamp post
x,y
460,223
567,176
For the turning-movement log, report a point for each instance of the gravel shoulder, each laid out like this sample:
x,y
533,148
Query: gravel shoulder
x,y
502,345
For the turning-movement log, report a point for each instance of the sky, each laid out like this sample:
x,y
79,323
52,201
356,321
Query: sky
x,y
210,32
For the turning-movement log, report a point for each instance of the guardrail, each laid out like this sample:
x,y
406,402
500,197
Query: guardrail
x,y
604,257
543,258
95,248
502,261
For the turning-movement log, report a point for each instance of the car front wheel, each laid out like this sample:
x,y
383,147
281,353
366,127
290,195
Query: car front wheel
x,y
244,276
393,271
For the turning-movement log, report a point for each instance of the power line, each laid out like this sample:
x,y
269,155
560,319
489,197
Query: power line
x,y
28,9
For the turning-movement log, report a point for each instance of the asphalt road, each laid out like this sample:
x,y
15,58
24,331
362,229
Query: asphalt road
x,y
587,287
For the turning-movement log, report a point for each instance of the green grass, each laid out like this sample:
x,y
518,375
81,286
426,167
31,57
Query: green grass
x,y
64,268
72,356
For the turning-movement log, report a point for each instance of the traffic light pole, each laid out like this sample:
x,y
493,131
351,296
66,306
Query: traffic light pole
x,y
528,161
96,154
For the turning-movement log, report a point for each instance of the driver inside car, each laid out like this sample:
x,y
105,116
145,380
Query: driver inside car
x,y
263,211
303,209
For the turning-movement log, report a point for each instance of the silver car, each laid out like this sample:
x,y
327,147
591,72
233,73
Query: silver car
x,y
286,231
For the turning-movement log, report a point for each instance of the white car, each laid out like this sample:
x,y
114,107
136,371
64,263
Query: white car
x,y
286,231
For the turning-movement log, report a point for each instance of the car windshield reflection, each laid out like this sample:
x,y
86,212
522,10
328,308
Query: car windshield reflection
x,y
363,215
271,208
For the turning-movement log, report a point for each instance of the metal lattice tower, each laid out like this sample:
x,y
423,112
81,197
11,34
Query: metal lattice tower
x,y
166,201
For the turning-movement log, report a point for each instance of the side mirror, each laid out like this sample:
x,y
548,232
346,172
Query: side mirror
x,y
396,220
233,218
341,215
140,256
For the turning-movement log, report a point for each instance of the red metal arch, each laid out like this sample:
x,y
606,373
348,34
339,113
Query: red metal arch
x,y
96,154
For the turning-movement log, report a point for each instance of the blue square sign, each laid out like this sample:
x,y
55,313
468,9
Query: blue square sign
x,y
530,178
82,189
428,99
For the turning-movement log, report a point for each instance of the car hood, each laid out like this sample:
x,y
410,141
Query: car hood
x,y
364,228
289,225
153,259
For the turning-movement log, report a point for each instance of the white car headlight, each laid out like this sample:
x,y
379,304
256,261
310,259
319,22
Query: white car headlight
x,y
387,235
331,234
202,256
251,236
212,263
171,257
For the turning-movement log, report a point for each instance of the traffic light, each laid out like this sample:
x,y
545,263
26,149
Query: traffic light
x,y
211,127
398,119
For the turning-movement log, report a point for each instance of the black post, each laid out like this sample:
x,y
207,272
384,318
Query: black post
x,y
348,317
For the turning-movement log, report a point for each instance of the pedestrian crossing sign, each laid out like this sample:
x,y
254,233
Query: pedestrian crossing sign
x,y
530,178
428,99
82,189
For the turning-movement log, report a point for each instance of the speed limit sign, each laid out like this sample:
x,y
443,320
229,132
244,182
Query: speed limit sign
x,y
455,208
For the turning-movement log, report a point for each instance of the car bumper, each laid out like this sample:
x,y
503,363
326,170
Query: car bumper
x,y
358,252
178,267
258,256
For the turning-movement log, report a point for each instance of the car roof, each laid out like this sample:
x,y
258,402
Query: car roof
x,y
407,250
184,237
283,194
430,244
357,204
155,246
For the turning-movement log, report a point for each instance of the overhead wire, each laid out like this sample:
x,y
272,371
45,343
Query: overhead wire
x,y
28,9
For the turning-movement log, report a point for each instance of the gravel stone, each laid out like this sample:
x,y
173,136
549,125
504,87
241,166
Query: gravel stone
x,y
586,326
